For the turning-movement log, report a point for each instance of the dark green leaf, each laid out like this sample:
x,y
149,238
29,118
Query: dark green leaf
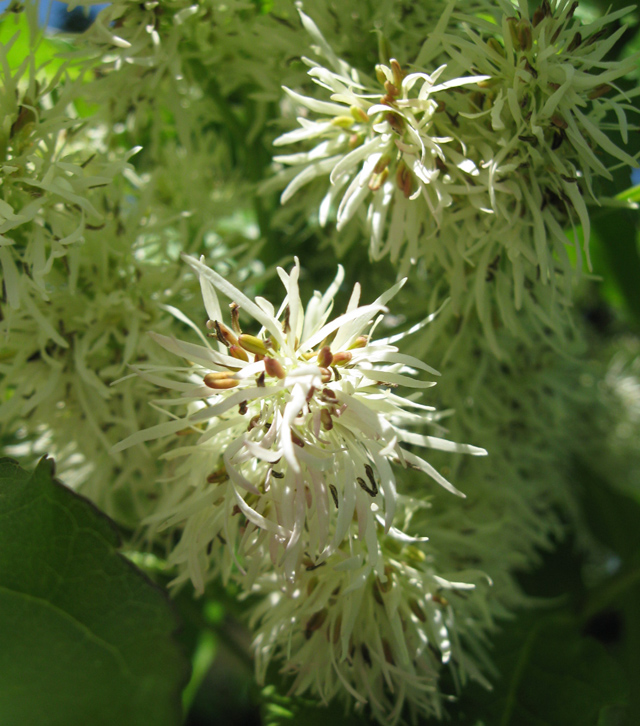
x,y
86,637
618,235
551,675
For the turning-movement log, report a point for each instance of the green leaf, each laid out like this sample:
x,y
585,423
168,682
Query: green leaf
x,y
551,675
86,637
44,52
618,234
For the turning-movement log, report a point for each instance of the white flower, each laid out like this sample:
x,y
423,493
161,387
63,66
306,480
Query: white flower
x,y
298,427
380,644
380,147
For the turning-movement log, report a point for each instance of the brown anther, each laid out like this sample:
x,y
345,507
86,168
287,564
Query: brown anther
x,y
374,487
314,566
396,122
558,121
217,476
334,494
404,180
243,407
220,381
440,600
286,327
364,486
310,394
441,165
513,31
209,547
274,368
382,163
315,622
391,89
235,317
377,180
325,375
253,422
524,35
528,67
224,335
572,10
260,380
496,46
295,439
558,137
599,91
236,510
325,357
325,418
342,358
328,393
398,73
235,351
575,42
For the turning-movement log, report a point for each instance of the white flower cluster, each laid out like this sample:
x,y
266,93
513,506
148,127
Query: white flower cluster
x,y
293,432
475,168
380,146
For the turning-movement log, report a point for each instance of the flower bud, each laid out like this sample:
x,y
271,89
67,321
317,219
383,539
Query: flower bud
x,y
377,180
343,122
342,358
359,114
360,342
235,351
524,35
252,344
496,46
